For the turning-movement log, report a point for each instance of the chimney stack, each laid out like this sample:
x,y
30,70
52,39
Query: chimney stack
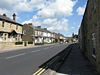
x,y
39,26
30,24
4,15
45,28
14,17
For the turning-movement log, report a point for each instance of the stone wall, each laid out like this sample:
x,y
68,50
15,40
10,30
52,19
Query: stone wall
x,y
4,45
90,32
9,45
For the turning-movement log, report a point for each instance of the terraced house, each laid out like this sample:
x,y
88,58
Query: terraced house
x,y
10,30
42,35
39,35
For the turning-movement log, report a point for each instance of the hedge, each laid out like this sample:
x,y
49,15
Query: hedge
x,y
18,43
30,42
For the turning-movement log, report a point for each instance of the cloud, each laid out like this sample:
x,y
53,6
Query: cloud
x,y
49,21
50,8
7,12
3,11
57,8
28,6
60,25
21,5
53,24
6,4
34,21
81,10
54,13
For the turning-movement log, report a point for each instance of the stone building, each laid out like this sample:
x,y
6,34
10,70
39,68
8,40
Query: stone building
x,y
28,32
61,38
56,37
38,34
10,30
89,32
42,35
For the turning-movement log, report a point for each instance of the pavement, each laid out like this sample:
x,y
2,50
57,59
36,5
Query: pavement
x,y
74,64
23,47
27,60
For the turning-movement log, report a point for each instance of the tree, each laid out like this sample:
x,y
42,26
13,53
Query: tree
x,y
74,36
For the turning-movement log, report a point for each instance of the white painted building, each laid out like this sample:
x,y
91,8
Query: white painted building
x,y
42,35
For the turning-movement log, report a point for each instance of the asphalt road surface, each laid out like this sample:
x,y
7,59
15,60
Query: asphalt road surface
x,y
27,61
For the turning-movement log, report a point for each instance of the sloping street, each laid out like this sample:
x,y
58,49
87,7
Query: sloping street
x,y
74,64
27,61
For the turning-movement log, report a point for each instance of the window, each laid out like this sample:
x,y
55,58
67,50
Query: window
x,y
36,32
1,34
94,46
9,36
3,24
5,36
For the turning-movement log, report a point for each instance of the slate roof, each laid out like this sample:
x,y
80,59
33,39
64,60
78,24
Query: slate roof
x,y
7,19
41,29
1,31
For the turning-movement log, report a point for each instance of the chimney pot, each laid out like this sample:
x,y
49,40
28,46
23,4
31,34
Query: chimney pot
x,y
14,17
4,15
45,28
29,23
39,26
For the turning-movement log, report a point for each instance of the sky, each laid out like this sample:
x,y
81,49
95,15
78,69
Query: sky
x,y
60,16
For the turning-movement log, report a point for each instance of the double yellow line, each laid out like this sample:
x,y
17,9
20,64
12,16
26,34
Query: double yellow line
x,y
40,71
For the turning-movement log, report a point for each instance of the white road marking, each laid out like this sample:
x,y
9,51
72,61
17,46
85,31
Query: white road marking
x,y
15,56
36,51
46,48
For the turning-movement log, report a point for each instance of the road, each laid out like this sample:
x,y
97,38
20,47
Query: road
x,y
27,61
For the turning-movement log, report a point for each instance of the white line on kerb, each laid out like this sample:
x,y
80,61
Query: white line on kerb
x,y
15,56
